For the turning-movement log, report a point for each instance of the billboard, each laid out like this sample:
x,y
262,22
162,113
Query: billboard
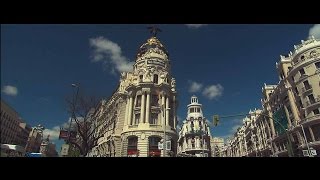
x,y
280,117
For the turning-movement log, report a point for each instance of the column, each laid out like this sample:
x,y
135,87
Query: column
x,y
148,107
143,107
293,106
167,111
174,112
273,133
162,110
311,134
127,112
130,111
287,114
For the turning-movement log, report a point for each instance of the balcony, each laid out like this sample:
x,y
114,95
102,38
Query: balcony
x,y
304,90
310,119
312,102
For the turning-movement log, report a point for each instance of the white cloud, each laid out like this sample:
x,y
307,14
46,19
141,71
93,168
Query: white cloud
x,y
195,26
108,52
194,87
10,90
54,133
315,31
213,91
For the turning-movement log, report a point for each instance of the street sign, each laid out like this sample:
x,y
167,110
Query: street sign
x,y
313,152
65,149
305,153
160,145
168,146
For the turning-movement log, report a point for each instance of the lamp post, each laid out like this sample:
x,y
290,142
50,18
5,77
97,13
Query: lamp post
x,y
305,138
73,110
164,130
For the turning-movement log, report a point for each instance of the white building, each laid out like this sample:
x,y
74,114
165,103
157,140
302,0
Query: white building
x,y
142,107
194,136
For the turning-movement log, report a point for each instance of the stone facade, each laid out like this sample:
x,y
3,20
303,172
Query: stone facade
x,y
290,118
194,136
143,104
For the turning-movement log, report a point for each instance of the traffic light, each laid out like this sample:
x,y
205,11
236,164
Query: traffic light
x,y
215,120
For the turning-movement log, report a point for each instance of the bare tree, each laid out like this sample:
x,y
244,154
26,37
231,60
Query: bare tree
x,y
84,119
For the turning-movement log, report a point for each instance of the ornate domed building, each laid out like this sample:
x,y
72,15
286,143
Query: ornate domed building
x,y
194,136
142,108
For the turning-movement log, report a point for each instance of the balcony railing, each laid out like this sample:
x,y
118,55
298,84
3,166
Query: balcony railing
x,y
303,89
313,101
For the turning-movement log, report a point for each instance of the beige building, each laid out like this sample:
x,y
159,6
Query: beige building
x,y
13,129
48,149
141,109
9,124
217,145
194,136
35,139
290,115
23,134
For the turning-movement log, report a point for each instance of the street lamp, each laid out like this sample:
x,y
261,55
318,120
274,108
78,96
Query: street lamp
x,y
164,131
305,138
73,109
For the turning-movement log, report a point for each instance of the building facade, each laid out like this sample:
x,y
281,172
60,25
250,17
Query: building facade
x,y
217,145
194,136
290,119
35,139
9,124
13,129
47,148
141,109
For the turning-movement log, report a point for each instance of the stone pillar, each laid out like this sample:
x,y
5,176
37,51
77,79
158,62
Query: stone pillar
x,y
311,134
174,112
127,113
293,106
162,110
148,107
273,133
143,107
287,114
167,111
130,111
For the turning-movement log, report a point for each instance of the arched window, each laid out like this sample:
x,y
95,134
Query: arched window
x,y
155,78
132,150
153,146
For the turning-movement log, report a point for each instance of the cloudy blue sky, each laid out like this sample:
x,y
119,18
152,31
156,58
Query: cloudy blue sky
x,y
224,65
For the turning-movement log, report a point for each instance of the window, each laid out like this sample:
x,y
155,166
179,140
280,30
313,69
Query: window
x,y
311,99
132,145
138,104
191,110
296,90
154,118
302,57
136,118
198,109
141,77
306,85
300,103
155,100
302,72
153,147
317,64
155,78
316,111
